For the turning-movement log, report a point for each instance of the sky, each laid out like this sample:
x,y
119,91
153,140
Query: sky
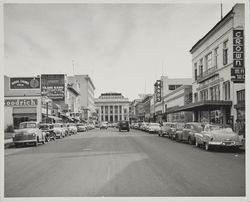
x,y
123,47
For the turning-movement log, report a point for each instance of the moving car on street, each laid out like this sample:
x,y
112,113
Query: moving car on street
x,y
104,125
48,129
187,133
153,128
217,136
28,132
123,125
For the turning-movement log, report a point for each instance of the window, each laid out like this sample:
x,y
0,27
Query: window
x,y
116,109
225,52
204,95
195,71
226,89
102,109
111,109
209,61
125,111
106,109
201,67
120,109
173,87
215,92
241,96
216,57
195,97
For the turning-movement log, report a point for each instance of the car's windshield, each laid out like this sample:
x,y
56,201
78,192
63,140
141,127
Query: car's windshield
x,y
27,125
217,127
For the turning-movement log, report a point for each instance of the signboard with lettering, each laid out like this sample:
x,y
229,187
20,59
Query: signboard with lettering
x,y
25,83
53,86
238,70
158,90
20,102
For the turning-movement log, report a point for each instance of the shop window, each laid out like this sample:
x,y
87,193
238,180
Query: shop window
x,y
225,52
226,89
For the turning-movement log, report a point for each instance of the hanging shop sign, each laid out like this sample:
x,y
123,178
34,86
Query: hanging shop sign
x,y
20,102
25,83
158,90
238,70
53,86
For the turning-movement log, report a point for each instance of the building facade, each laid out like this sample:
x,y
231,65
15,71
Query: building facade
x,y
168,85
112,107
218,71
132,110
86,97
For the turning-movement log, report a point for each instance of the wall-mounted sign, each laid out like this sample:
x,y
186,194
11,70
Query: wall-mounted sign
x,y
25,83
20,102
238,70
158,90
53,86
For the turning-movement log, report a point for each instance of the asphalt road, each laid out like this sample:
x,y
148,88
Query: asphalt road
x,y
109,163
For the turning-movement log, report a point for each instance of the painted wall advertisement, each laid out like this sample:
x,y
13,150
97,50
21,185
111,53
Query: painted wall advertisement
x,y
238,70
24,83
53,86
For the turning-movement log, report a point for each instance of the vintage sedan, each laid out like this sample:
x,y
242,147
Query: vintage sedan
x,y
48,129
217,136
153,127
59,130
72,128
165,129
188,131
174,128
81,127
28,132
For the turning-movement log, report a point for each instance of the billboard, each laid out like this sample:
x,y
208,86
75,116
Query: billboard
x,y
238,70
53,86
25,83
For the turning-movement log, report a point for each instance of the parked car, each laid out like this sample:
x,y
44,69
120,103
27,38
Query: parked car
x,y
48,129
58,130
217,136
72,128
174,128
143,126
165,129
154,128
136,126
28,132
187,133
123,125
81,127
66,129
104,125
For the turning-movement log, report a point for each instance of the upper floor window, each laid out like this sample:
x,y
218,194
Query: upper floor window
x,y
215,92
201,66
173,87
195,71
240,95
216,57
225,52
209,61
226,89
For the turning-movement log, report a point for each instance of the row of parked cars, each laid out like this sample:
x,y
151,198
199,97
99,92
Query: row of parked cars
x,y
35,132
200,134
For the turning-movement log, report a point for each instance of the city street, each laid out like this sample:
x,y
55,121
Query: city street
x,y
111,163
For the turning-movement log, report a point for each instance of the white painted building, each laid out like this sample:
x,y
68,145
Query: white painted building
x,y
112,107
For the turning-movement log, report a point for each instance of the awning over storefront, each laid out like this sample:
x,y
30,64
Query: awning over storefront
x,y
55,118
204,105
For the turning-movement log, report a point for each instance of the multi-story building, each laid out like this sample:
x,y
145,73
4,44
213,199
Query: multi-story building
x,y
218,71
86,97
167,85
132,110
178,98
139,111
146,107
112,107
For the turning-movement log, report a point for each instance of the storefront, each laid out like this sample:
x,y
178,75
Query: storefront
x,y
20,109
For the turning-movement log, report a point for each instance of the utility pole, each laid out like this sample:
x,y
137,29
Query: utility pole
x,y
73,67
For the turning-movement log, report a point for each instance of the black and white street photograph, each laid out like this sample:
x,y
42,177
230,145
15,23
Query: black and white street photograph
x,y
109,100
